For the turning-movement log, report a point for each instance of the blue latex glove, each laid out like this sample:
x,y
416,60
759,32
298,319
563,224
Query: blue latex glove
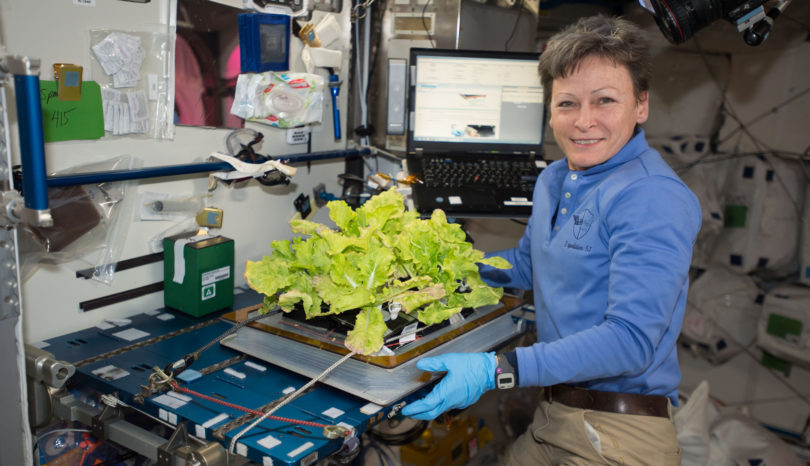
x,y
469,375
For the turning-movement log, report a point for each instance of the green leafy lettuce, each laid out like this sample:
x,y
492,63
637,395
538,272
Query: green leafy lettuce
x,y
380,253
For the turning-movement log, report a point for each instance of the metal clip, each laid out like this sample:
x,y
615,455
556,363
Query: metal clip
x,y
335,431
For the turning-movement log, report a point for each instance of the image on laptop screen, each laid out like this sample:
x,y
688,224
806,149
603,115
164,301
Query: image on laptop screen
x,y
475,102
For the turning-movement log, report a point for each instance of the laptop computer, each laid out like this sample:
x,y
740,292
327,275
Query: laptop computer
x,y
475,133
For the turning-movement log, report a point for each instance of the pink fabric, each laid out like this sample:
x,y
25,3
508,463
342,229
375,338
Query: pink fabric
x,y
188,86
232,69
234,65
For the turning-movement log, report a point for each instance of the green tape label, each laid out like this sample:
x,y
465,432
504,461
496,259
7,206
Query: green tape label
x,y
735,216
784,327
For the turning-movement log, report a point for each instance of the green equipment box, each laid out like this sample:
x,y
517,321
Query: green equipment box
x,y
199,281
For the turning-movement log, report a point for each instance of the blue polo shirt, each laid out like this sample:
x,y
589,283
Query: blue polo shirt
x,y
610,277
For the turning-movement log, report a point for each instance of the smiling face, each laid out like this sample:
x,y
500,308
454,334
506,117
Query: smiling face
x,y
594,111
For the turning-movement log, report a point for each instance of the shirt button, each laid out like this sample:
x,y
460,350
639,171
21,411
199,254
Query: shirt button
x,y
563,211
567,195
574,176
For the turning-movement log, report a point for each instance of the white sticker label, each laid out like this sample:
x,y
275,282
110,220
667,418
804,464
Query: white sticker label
x,y
269,442
41,344
512,203
333,412
85,2
300,449
105,326
151,312
233,373
456,318
199,431
169,401
255,366
454,200
241,448
172,419
110,372
179,396
215,420
163,414
370,408
165,316
408,333
213,276
131,334
288,390
267,461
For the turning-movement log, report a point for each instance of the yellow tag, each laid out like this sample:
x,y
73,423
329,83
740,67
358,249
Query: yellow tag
x,y
210,217
69,81
309,36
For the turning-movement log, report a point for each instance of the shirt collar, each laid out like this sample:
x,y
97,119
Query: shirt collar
x,y
634,148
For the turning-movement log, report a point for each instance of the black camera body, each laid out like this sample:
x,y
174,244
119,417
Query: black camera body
x,y
679,20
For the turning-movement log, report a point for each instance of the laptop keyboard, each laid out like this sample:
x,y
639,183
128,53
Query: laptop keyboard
x,y
440,172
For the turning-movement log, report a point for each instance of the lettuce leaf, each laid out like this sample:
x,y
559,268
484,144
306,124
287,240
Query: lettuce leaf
x,y
380,253
435,313
367,335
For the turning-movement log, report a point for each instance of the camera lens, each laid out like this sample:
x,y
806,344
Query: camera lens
x,y
679,20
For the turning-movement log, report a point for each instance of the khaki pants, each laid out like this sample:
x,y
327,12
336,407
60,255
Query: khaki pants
x,y
561,435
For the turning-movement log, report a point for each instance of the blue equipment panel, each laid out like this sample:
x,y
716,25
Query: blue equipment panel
x,y
248,382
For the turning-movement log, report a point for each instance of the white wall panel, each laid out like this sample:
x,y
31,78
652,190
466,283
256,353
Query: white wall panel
x,y
58,31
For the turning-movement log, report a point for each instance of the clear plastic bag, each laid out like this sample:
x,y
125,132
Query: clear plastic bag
x,y
284,100
90,224
161,206
132,69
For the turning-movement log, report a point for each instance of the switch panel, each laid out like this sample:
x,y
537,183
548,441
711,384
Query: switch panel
x,y
397,95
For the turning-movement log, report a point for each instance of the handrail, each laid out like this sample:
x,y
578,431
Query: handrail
x,y
172,170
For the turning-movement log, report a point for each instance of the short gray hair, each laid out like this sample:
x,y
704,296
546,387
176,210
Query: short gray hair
x,y
615,39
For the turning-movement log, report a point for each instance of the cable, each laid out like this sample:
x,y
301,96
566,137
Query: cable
x,y
288,399
514,27
238,326
361,64
175,368
113,402
255,412
384,452
424,24
771,111
400,438
376,150
743,129
360,10
724,98
746,349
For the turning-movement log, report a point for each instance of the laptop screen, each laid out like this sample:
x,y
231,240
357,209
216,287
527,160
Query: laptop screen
x,y
475,101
